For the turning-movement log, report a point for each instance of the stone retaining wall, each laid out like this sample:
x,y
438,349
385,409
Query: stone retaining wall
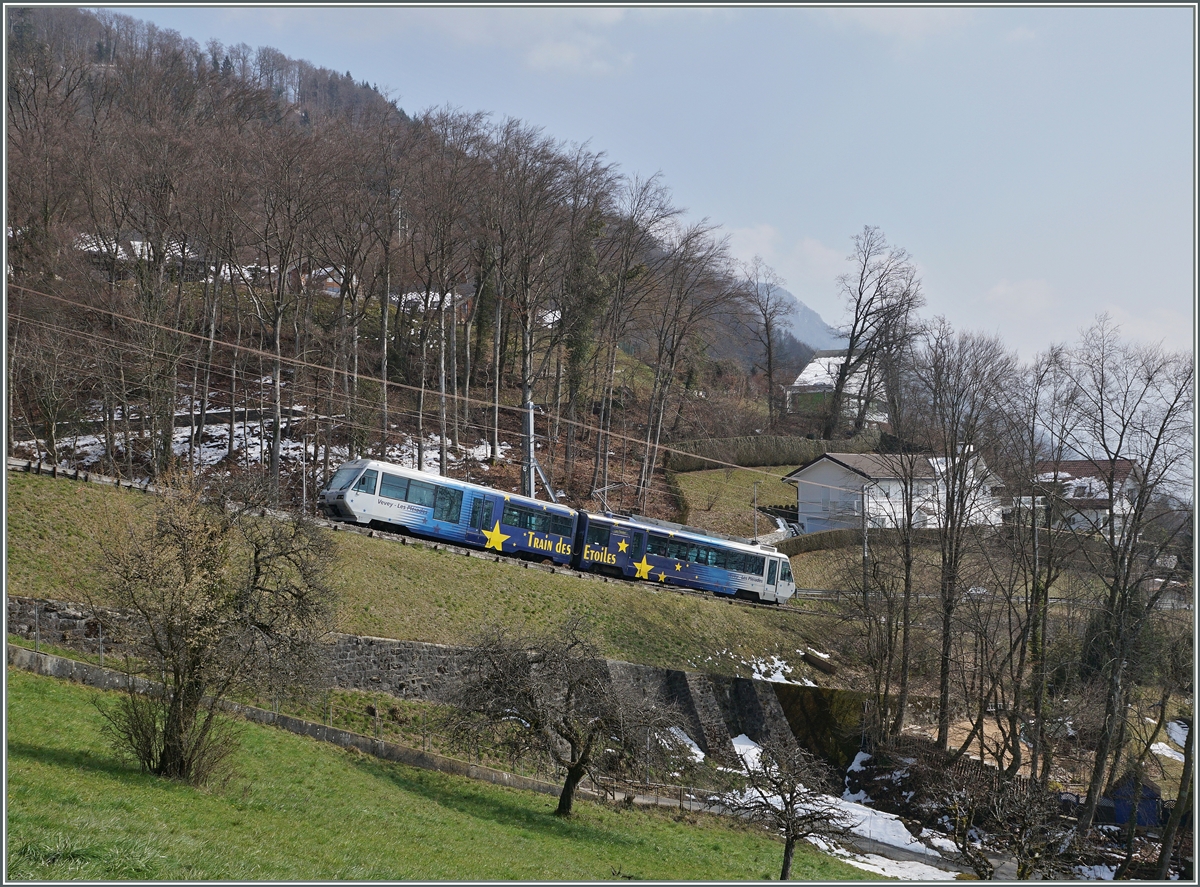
x,y
406,669
71,625
714,708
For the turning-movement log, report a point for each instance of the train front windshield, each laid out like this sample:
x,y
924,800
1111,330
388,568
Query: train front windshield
x,y
343,478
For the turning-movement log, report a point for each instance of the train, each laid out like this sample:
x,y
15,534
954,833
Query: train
x,y
370,492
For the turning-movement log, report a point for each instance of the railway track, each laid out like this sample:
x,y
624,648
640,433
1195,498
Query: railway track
x,y
38,467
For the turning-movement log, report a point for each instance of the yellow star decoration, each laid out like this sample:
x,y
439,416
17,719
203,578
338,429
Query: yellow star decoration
x,y
662,577
678,567
495,539
643,568
622,545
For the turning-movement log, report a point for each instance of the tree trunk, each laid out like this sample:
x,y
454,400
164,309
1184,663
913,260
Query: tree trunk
x,y
943,733
905,642
276,406
1183,803
443,430
1114,697
575,774
495,455
789,850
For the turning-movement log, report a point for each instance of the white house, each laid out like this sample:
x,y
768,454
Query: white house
x,y
832,490
1079,489
818,379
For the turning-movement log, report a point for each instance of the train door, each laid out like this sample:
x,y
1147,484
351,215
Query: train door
x,y
637,552
483,514
772,590
595,552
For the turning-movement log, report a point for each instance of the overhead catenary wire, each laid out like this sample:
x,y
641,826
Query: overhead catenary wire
x,y
193,360
300,363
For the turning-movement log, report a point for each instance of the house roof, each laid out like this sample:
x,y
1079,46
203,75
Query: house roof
x,y
1086,477
870,465
820,373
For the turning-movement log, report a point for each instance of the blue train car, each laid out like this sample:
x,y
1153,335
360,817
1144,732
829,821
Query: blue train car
x,y
390,497
659,551
605,543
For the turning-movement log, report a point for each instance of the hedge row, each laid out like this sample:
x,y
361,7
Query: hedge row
x,y
760,449
826,539
850,537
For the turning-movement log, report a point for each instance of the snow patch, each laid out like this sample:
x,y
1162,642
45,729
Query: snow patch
x,y
904,871
1095,872
856,766
693,749
1178,731
747,749
1165,751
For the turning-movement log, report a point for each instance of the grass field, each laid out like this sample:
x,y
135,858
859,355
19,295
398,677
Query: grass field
x,y
722,500
411,592
297,809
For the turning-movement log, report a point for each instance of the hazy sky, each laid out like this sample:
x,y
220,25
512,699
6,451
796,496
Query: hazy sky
x,y
1038,163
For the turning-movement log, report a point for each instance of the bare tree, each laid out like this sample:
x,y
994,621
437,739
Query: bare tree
x,y
962,378
767,304
788,789
222,599
693,284
1028,826
552,693
288,187
47,88
46,379
880,294
586,289
1131,404
628,255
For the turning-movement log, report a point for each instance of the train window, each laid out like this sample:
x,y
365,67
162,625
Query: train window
x,y
539,523
786,574
658,546
366,483
393,487
721,559
598,535
421,493
639,539
710,557
771,572
512,516
754,564
447,505
561,524
481,513
342,478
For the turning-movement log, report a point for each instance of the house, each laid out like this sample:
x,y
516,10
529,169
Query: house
x,y
1149,803
1079,491
817,380
324,280
121,255
833,490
